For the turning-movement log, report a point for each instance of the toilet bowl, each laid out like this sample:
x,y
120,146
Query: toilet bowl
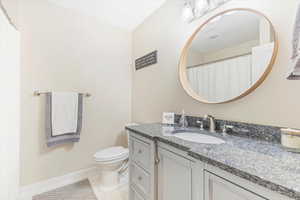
x,y
112,162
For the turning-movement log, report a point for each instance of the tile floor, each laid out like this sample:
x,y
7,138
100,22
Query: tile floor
x,y
78,191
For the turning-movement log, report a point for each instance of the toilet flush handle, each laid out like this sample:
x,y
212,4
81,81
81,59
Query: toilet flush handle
x,y
124,166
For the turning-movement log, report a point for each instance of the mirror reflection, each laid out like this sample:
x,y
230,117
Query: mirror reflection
x,y
229,55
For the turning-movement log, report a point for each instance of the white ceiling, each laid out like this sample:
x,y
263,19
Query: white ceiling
x,y
228,31
125,14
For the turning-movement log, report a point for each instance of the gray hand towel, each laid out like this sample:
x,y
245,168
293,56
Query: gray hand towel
x,y
67,137
294,71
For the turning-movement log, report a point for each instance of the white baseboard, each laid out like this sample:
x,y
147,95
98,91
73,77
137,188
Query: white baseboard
x,y
27,192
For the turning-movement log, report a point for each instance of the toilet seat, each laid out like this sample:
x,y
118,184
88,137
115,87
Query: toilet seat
x,y
111,154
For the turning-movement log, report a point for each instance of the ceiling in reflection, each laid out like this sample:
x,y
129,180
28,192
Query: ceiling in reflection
x,y
221,33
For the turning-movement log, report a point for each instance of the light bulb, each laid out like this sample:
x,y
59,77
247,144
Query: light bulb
x,y
201,6
212,4
220,2
187,12
216,3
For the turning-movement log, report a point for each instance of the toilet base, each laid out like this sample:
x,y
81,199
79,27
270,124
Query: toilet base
x,y
108,181
117,192
109,174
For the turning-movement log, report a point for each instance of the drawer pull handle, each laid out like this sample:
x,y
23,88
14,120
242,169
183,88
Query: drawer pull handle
x,y
157,160
140,151
140,178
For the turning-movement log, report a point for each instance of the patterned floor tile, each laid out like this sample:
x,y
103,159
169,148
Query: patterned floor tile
x,y
78,191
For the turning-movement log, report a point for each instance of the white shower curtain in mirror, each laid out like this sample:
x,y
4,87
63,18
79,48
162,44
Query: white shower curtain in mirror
x,y
223,80
9,109
261,57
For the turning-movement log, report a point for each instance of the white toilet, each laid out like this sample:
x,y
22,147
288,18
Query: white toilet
x,y
113,166
112,163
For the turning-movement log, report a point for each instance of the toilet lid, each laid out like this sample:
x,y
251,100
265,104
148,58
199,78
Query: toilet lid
x,y
112,153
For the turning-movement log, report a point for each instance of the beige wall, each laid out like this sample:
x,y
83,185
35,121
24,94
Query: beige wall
x,y
10,109
157,88
65,51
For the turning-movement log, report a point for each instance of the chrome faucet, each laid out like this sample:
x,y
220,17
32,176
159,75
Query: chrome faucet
x,y
212,123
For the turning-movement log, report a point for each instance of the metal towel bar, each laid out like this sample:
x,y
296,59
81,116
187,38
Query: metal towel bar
x,y
38,93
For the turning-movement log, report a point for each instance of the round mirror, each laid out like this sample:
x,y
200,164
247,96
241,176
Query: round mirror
x,y
228,56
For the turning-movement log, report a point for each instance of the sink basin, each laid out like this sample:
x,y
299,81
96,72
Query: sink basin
x,y
198,138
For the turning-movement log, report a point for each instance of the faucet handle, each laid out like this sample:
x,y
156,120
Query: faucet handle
x,y
241,130
226,127
208,116
201,124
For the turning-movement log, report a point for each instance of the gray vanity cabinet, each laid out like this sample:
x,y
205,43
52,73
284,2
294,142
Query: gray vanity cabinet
x,y
141,168
174,176
162,172
134,195
217,188
178,175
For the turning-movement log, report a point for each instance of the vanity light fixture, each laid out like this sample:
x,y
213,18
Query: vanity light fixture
x,y
201,6
194,9
187,12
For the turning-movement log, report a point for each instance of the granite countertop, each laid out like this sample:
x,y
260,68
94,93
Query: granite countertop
x,y
261,162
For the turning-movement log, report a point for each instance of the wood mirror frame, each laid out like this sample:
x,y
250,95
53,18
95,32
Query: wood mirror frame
x,y
183,60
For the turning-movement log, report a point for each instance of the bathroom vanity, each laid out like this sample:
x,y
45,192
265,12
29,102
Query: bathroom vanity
x,y
218,64
165,167
171,164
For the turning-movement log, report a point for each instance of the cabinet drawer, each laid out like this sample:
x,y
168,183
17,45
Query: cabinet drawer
x,y
140,179
141,153
134,195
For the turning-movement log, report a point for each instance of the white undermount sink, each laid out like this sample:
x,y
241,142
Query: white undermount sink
x,y
198,138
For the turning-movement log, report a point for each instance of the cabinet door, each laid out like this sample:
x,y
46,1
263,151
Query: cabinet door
x,y
217,188
134,195
142,167
174,176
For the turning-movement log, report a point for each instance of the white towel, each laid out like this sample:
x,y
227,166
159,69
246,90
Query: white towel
x,y
294,71
64,113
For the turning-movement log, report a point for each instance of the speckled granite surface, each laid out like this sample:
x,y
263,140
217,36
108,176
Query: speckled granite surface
x,y
255,131
261,162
